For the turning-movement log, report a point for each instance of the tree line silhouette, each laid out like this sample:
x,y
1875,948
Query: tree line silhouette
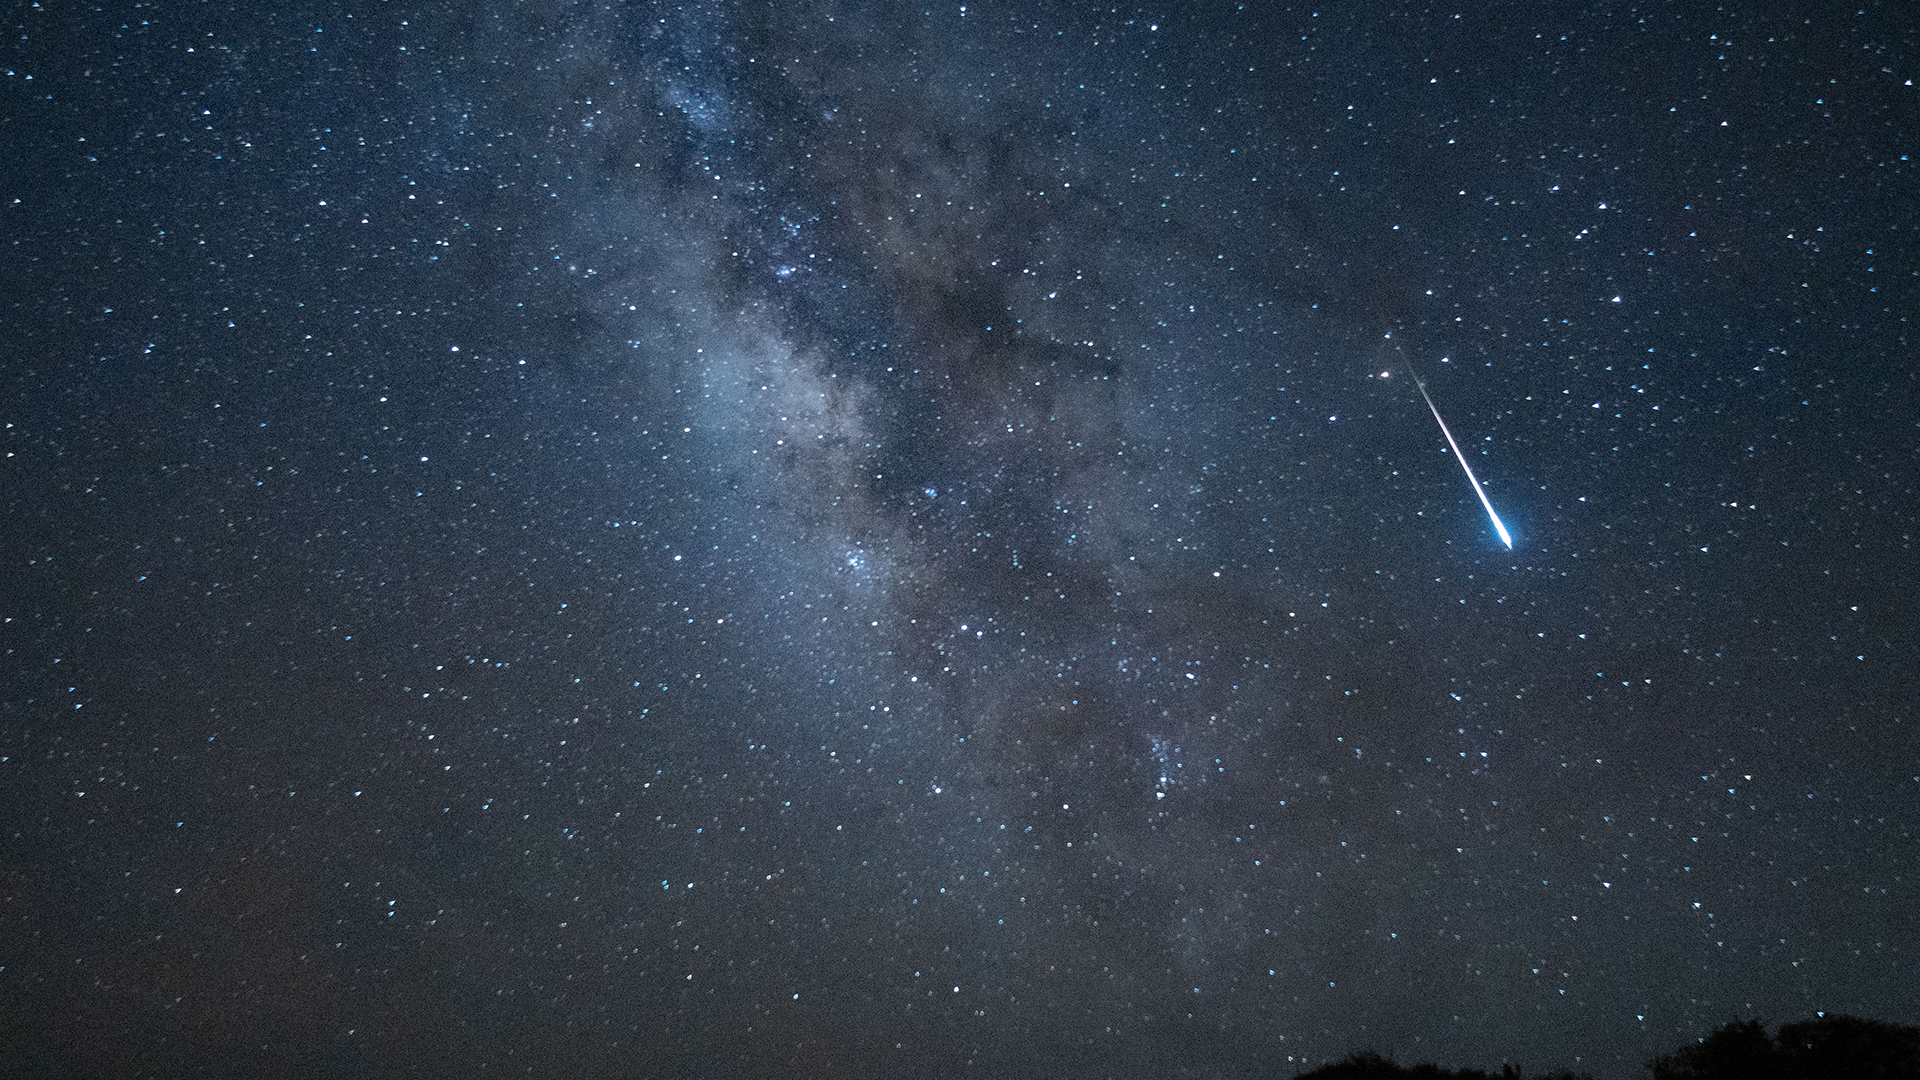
x,y
1825,1048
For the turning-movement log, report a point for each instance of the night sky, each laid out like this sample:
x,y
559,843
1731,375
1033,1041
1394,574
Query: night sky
x,y
836,539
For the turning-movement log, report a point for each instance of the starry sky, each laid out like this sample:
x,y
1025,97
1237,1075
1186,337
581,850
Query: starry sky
x,y
866,539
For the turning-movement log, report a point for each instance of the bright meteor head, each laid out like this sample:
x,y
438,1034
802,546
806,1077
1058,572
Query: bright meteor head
x,y
1499,528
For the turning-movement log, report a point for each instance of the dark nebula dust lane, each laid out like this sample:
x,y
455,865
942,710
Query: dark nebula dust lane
x,y
862,540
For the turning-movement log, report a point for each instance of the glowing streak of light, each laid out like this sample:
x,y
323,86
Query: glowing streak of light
x,y
1472,479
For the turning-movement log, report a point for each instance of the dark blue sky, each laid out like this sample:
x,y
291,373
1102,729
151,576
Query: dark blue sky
x,y
837,539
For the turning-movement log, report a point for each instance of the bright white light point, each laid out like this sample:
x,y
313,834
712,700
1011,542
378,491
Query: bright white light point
x,y
1616,299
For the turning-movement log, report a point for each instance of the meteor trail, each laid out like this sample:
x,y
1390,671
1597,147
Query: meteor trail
x,y
1472,479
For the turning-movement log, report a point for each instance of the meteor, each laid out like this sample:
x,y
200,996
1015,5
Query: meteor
x,y
1472,479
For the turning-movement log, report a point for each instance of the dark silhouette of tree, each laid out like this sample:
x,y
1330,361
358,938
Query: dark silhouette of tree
x,y
1849,1048
1825,1048
1828,1048
1367,1065
1740,1049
